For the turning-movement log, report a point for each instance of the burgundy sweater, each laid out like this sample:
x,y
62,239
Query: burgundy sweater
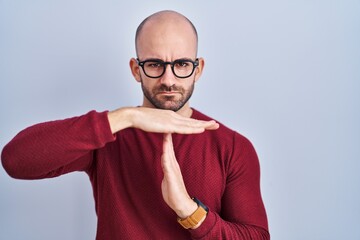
x,y
219,167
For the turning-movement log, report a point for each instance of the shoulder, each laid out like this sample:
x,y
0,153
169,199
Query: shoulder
x,y
200,116
236,149
223,130
225,138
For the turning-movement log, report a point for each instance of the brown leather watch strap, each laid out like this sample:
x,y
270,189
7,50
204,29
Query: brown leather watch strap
x,y
193,219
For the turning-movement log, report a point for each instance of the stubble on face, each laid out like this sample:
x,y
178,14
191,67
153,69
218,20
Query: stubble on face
x,y
172,101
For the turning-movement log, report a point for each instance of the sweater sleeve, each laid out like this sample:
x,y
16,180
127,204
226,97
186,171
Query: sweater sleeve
x,y
57,147
243,214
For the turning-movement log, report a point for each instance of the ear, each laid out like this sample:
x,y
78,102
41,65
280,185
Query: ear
x,y
199,69
135,69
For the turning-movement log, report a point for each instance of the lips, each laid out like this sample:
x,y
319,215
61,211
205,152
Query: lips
x,y
168,93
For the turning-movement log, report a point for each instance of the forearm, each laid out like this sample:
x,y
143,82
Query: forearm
x,y
121,118
40,149
242,213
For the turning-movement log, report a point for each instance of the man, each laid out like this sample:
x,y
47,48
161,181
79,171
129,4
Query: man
x,y
160,171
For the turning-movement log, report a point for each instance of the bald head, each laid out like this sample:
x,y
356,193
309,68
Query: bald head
x,y
164,22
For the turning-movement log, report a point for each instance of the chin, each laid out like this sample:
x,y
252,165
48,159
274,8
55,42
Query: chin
x,y
171,107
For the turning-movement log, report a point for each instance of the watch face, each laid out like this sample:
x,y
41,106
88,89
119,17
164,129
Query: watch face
x,y
201,204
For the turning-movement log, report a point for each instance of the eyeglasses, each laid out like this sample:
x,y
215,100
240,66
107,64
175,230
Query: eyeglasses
x,y
181,68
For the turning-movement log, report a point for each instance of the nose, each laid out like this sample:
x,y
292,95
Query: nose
x,y
168,78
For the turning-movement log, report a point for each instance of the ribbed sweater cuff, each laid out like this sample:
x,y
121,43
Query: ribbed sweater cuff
x,y
205,227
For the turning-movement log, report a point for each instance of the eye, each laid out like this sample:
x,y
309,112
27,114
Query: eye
x,y
154,65
182,64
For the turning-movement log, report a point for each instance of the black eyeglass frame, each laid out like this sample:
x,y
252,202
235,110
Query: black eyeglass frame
x,y
194,63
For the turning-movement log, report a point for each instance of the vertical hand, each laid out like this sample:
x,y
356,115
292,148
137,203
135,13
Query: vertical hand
x,y
173,187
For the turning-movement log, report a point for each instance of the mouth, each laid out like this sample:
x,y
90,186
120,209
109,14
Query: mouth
x,y
168,93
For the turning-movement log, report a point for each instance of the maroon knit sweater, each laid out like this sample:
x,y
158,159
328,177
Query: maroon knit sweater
x,y
219,167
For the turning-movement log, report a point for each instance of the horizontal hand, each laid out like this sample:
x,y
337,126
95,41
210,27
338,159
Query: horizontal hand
x,y
157,120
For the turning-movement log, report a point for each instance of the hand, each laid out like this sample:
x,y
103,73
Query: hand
x,y
173,187
157,120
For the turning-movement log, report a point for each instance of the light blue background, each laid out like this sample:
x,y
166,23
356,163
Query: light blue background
x,y
284,73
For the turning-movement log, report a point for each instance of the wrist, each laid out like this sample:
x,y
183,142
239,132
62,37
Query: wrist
x,y
194,220
120,119
187,209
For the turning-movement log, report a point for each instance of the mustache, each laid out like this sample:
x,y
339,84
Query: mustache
x,y
164,88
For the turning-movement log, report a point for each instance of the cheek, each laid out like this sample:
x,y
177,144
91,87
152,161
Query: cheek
x,y
186,84
191,83
149,85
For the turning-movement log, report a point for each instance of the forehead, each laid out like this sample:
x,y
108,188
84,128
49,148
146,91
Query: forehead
x,y
167,36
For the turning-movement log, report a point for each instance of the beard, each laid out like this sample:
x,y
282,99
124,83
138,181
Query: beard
x,y
168,102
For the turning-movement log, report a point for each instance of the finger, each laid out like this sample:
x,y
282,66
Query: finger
x,y
167,143
199,123
168,152
211,125
196,126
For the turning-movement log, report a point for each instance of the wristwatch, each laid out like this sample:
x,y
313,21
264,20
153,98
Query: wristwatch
x,y
196,217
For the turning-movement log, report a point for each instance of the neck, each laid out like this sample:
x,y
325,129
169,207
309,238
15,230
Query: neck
x,y
185,111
